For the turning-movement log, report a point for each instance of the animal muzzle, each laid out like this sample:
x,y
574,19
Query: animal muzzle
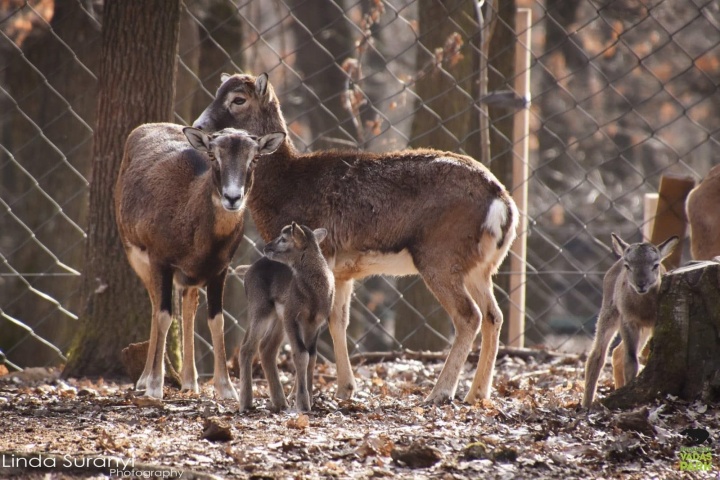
x,y
269,251
203,122
232,198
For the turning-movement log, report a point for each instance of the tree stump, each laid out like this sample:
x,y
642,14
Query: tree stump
x,y
685,351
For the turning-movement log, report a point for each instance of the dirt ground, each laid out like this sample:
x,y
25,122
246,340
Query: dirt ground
x,y
532,427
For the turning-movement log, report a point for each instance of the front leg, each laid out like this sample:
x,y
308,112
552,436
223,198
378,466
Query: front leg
x,y
161,279
339,320
312,350
630,334
221,378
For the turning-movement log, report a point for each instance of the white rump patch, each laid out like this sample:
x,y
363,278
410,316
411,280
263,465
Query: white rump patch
x,y
497,217
140,261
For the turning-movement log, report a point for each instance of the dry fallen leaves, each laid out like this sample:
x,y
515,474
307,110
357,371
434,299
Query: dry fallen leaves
x,y
300,422
525,429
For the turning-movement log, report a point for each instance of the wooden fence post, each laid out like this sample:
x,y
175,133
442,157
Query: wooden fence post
x,y
521,133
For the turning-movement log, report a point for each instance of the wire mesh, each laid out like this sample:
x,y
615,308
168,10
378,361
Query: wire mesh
x,y
623,92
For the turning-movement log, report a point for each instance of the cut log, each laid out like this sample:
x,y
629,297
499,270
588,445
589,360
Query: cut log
x,y
685,350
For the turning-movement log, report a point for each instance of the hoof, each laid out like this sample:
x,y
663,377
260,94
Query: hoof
x,y
226,393
345,392
279,408
141,384
474,396
438,398
190,387
156,392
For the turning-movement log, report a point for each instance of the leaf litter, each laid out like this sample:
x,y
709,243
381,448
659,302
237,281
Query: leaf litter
x,y
531,427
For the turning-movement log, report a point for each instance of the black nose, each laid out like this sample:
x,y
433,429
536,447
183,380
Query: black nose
x,y
232,200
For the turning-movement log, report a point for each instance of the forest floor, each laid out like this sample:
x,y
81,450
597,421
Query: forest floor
x,y
531,427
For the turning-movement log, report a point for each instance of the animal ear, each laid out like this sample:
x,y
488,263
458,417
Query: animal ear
x,y
298,234
224,77
320,234
270,142
197,138
619,245
667,247
261,84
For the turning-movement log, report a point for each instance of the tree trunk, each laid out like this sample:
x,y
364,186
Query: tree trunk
x,y
324,41
218,48
447,118
136,85
685,350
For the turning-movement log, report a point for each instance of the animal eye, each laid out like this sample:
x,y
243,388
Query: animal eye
x,y
238,100
627,267
656,266
211,155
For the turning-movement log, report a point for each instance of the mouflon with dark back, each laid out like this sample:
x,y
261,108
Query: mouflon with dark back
x,y
179,204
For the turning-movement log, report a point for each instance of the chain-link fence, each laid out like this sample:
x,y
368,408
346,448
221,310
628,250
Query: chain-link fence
x,y
623,92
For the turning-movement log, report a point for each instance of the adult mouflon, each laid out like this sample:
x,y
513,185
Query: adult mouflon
x,y
438,214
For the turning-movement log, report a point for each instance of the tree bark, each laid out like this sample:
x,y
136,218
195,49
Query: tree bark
x,y
217,47
685,351
136,85
324,40
447,118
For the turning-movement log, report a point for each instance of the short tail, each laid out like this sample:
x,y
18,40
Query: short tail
x,y
501,223
240,271
502,220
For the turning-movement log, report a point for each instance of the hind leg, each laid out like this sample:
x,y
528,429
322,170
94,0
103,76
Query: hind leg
x,y
450,291
190,300
618,357
312,349
269,346
259,325
607,326
296,326
480,286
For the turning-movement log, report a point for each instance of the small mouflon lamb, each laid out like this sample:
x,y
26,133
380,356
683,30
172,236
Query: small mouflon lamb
x,y
629,304
290,292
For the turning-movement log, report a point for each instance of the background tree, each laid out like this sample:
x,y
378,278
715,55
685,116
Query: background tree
x,y
323,41
136,85
447,117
